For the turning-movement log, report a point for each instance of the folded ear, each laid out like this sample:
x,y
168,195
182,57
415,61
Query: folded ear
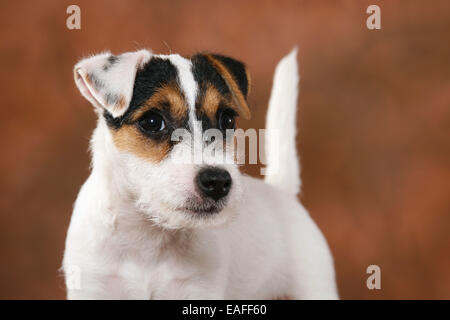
x,y
236,77
107,80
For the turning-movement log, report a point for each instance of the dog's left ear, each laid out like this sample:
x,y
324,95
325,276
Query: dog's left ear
x,y
237,78
107,80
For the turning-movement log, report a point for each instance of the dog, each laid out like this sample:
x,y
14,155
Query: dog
x,y
148,226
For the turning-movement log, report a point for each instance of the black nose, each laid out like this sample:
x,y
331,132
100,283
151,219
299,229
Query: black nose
x,y
214,182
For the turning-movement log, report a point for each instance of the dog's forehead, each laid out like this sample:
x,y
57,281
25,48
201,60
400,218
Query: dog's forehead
x,y
185,76
159,71
206,75
192,76
189,74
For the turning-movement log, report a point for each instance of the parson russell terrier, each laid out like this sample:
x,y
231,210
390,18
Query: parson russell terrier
x,y
148,226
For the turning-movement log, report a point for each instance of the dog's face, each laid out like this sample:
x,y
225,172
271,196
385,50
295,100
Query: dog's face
x,y
169,122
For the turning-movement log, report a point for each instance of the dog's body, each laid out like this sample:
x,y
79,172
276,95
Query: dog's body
x,y
128,237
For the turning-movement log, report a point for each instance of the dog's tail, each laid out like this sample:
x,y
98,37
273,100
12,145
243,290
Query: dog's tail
x,y
283,169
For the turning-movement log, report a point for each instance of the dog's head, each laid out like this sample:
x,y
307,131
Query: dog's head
x,y
169,122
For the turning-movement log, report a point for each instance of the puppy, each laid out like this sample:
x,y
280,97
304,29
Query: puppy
x,y
146,225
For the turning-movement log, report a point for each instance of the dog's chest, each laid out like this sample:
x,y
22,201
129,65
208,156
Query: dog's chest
x,y
160,280
178,272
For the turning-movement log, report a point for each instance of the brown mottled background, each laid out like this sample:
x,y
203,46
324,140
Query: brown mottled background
x,y
374,123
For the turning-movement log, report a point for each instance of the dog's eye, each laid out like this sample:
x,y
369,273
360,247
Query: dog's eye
x,y
152,122
227,119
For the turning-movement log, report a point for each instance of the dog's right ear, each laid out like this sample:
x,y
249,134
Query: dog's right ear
x,y
107,80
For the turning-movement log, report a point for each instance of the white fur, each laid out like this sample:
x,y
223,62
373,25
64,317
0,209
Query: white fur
x,y
117,81
283,170
129,240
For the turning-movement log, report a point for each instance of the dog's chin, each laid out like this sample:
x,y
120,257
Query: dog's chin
x,y
193,213
203,207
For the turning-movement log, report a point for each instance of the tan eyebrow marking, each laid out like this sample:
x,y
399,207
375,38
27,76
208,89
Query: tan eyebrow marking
x,y
238,97
129,138
211,101
171,95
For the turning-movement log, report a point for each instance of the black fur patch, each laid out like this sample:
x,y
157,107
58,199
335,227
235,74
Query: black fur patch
x,y
206,122
237,69
205,73
156,73
112,60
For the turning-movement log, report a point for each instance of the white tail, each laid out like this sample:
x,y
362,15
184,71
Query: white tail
x,y
283,169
